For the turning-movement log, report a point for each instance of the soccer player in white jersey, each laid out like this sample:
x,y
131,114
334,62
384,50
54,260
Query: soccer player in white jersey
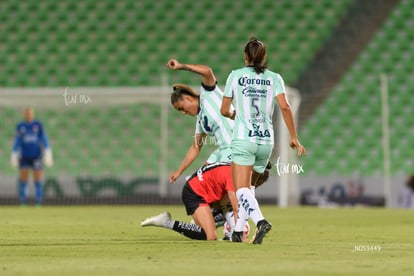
x,y
205,106
253,90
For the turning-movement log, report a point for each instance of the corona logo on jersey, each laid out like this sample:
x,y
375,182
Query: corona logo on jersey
x,y
243,81
250,90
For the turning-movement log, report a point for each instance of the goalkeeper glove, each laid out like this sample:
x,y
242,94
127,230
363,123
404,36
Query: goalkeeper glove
x,y
48,158
14,159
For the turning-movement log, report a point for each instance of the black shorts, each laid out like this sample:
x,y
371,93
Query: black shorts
x,y
34,163
190,199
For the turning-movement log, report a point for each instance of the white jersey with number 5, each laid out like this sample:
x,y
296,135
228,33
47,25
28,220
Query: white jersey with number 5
x,y
254,97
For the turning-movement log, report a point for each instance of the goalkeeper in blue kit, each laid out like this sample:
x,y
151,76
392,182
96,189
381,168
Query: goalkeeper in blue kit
x,y
31,149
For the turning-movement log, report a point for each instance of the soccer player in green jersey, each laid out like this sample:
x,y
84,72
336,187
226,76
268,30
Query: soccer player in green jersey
x,y
205,106
253,90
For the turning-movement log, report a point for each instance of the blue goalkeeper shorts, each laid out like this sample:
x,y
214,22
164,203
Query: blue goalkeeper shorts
x,y
35,163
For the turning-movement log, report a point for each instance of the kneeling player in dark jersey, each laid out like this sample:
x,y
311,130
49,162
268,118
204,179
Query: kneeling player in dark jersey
x,y
208,184
208,196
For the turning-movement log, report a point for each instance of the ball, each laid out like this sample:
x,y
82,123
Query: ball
x,y
227,231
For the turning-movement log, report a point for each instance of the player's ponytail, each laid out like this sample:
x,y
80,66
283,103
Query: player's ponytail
x,y
256,53
181,89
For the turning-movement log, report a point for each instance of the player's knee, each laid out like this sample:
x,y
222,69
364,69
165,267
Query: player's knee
x,y
37,177
24,178
212,236
211,233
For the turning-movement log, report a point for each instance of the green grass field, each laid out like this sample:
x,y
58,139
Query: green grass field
x,y
109,241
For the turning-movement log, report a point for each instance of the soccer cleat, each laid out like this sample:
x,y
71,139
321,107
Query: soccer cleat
x,y
263,227
237,236
161,220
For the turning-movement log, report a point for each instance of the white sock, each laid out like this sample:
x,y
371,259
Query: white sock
x,y
257,216
249,204
230,219
253,190
241,219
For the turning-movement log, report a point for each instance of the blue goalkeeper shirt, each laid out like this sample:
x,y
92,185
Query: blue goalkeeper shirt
x,y
30,139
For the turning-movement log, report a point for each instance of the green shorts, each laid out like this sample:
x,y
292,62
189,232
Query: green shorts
x,y
220,155
247,153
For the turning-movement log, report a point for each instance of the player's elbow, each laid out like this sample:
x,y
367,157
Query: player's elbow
x,y
285,108
208,71
197,145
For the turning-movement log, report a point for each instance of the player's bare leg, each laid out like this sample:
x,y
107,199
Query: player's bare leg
x,y
203,217
255,177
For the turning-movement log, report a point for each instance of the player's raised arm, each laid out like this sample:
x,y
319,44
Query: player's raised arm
x,y
207,75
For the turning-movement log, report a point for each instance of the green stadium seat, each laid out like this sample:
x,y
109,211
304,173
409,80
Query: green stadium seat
x,y
85,18
359,125
126,43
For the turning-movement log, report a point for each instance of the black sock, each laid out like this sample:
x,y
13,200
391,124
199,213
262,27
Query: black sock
x,y
192,231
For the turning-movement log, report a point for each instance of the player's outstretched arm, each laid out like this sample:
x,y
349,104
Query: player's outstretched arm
x,y
207,75
191,155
